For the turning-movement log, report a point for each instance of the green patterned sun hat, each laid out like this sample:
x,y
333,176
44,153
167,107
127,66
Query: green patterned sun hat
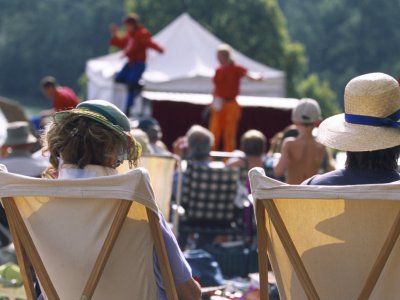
x,y
101,111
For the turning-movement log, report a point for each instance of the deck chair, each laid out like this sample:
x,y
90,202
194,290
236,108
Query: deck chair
x,y
208,197
87,238
161,171
328,242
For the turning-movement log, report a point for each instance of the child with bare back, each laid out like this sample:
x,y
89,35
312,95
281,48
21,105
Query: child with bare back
x,y
303,156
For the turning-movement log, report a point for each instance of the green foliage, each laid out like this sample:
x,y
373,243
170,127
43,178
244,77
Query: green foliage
x,y
295,67
256,28
52,37
344,39
312,87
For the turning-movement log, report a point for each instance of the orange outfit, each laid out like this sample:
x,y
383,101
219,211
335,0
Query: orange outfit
x,y
224,122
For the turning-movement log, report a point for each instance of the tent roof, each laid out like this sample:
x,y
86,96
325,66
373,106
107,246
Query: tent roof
x,y
190,53
190,44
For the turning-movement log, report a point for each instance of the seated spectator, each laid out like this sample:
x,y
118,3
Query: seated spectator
x,y
199,143
143,140
254,145
369,131
196,147
302,156
19,144
153,131
91,141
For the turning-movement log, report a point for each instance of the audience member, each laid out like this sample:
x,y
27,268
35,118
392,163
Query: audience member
x,y
90,141
302,156
19,144
199,140
369,131
63,97
253,143
154,132
143,140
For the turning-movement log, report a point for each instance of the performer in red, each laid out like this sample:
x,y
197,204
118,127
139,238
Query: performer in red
x,y
225,111
63,97
134,44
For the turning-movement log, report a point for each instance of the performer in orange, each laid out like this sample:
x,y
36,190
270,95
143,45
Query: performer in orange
x,y
135,42
225,111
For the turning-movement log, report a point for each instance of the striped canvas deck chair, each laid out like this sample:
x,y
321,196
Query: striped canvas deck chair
x,y
87,238
328,242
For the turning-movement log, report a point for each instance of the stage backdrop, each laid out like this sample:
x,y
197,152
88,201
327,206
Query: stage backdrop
x,y
176,112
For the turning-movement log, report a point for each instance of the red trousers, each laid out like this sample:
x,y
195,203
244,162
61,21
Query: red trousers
x,y
224,123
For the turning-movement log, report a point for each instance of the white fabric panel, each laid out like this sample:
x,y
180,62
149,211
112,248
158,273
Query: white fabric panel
x,y
3,128
68,221
133,185
338,232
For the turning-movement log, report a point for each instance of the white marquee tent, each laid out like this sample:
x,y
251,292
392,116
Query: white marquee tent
x,y
187,66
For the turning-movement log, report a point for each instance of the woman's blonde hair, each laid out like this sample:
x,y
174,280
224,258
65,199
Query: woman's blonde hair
x,y
82,141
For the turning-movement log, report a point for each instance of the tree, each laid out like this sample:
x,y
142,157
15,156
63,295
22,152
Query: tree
x,y
344,39
312,87
39,38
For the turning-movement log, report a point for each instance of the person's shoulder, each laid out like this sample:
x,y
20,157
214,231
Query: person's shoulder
x,y
239,68
336,177
64,90
289,142
143,32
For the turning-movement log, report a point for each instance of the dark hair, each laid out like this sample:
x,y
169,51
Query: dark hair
x,y
48,81
82,141
385,159
253,142
132,18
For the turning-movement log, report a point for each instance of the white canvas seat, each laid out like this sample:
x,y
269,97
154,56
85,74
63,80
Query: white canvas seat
x,y
87,238
161,171
328,242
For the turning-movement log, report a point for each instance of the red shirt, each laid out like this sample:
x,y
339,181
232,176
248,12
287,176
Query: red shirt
x,y
64,99
227,81
135,44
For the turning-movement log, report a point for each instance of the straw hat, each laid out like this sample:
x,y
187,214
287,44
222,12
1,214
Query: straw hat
x,y
371,118
19,133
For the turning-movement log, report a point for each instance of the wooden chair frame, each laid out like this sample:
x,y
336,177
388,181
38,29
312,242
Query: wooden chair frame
x,y
266,207
28,256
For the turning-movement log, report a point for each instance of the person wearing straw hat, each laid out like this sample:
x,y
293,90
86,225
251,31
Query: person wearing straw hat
x,y
19,144
91,140
302,156
369,131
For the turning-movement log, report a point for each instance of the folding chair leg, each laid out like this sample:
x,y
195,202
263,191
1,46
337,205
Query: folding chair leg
x,y
262,251
291,251
381,259
23,262
28,246
105,251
